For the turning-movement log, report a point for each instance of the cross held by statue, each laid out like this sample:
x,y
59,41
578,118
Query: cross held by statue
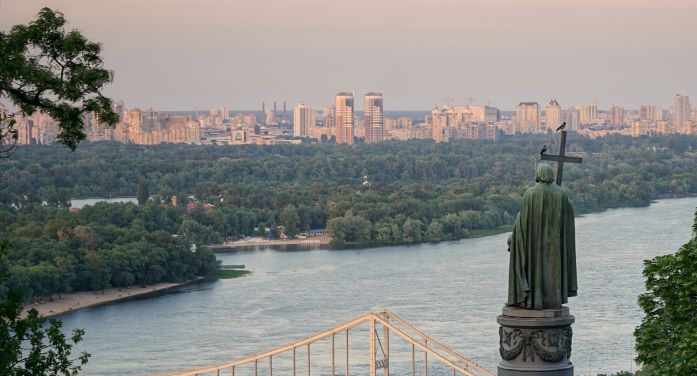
x,y
561,158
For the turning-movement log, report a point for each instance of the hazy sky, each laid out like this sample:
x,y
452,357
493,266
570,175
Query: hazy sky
x,y
194,54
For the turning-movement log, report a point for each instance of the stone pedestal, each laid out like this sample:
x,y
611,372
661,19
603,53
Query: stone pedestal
x,y
535,342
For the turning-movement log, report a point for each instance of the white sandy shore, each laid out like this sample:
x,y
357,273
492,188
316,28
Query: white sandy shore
x,y
84,299
321,240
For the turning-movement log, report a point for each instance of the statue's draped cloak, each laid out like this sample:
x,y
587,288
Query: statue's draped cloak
x,y
542,249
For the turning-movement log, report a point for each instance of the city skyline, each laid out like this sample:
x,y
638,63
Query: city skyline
x,y
183,55
341,124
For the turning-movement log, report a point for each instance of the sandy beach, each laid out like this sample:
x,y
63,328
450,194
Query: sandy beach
x,y
83,299
259,241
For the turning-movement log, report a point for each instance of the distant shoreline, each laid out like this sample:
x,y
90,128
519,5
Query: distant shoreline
x,y
258,241
326,240
87,299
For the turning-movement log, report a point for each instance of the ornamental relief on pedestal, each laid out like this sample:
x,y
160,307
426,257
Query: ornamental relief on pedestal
x,y
550,345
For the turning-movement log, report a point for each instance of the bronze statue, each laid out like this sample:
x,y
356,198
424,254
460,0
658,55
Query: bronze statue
x,y
542,271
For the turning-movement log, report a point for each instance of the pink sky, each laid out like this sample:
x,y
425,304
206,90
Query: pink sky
x,y
179,54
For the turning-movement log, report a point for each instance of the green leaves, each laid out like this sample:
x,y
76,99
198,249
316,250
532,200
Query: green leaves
x,y
44,68
31,346
666,340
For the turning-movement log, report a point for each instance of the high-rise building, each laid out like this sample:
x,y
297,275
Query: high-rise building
x,y
373,123
328,118
588,113
149,120
344,118
651,113
472,114
118,108
405,122
25,131
681,115
527,117
663,127
640,127
616,115
440,129
553,115
572,118
132,117
303,120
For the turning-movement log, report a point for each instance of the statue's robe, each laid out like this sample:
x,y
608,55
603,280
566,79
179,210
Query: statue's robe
x,y
542,271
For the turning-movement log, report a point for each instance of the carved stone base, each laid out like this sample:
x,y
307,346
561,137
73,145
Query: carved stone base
x,y
535,342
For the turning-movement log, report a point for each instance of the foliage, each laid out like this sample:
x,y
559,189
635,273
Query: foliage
x,y
28,344
666,340
421,191
31,346
454,190
646,371
46,68
229,274
100,246
143,193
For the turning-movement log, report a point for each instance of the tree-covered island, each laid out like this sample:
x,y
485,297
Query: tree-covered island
x,y
419,191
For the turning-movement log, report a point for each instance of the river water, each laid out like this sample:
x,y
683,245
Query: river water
x,y
451,290
79,203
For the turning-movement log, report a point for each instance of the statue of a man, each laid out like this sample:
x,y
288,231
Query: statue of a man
x,y
542,271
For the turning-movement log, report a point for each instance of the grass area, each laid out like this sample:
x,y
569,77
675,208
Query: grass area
x,y
228,274
489,232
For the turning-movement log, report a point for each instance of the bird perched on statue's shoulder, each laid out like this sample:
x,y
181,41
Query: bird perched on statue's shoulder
x,y
561,127
544,149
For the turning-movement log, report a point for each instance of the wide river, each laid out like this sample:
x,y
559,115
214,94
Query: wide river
x,y
451,290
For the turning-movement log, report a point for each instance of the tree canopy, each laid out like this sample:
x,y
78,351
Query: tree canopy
x,y
32,345
46,68
666,340
420,190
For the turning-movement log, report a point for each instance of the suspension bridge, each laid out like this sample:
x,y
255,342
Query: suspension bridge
x,y
425,354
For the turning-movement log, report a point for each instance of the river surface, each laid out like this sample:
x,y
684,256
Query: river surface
x,y
451,290
81,202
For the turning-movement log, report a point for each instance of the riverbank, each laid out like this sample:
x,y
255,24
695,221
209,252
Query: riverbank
x,y
84,299
325,240
259,241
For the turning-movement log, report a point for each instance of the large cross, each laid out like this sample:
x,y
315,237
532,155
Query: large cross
x,y
561,158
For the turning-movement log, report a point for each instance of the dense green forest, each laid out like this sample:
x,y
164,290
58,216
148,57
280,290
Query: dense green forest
x,y
418,191
106,245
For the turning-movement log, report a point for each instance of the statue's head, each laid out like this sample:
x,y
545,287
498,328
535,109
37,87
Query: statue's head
x,y
544,173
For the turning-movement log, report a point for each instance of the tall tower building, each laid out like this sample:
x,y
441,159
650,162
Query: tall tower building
x,y
527,116
133,118
681,116
588,113
572,117
25,131
373,123
652,113
617,115
344,118
303,120
553,115
149,120
440,130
